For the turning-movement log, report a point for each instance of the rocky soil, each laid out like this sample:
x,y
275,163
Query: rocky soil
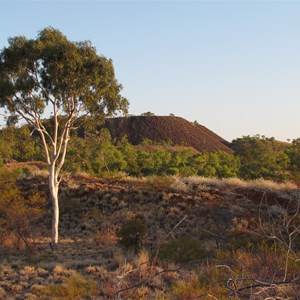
x,y
176,130
94,210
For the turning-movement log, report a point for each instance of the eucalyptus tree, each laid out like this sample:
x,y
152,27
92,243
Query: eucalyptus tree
x,y
69,80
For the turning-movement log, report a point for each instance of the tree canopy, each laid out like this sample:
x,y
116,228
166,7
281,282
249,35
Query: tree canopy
x,y
53,70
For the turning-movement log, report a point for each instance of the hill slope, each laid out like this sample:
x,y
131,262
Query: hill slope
x,y
166,128
232,216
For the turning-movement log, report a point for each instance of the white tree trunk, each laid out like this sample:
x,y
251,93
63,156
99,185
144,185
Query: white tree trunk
x,y
53,186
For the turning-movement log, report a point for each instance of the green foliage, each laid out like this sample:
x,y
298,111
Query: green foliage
x,y
52,68
220,164
172,171
246,241
18,144
255,157
95,155
76,287
129,153
293,153
79,155
260,157
156,162
131,234
182,250
145,162
99,155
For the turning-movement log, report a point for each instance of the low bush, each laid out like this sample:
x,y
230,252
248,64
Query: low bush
x,y
182,250
246,241
131,234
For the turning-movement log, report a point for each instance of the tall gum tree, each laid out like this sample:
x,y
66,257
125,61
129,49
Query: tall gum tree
x,y
68,79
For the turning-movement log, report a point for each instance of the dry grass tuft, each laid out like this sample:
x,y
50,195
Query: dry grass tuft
x,y
10,240
29,296
142,260
2,293
114,175
61,271
105,238
29,271
178,185
271,185
82,174
187,288
157,182
169,277
41,271
40,173
100,271
239,183
141,293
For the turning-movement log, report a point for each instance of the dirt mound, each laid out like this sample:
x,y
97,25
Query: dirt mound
x,y
176,130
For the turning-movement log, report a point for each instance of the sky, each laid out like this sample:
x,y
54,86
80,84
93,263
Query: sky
x,y
233,66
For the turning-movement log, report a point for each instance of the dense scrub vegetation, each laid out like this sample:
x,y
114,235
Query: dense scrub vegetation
x,y
254,157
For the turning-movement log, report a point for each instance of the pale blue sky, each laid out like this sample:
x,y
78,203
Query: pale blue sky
x,y
234,66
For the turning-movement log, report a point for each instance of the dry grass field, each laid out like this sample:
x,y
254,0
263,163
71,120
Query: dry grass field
x,y
159,238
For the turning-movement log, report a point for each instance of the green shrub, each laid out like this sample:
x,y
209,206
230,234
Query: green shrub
x,y
182,250
260,157
172,171
246,241
131,234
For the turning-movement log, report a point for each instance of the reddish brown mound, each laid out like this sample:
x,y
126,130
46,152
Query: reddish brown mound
x,y
166,128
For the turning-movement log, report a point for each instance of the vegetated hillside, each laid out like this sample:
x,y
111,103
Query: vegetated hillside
x,y
180,224
164,129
